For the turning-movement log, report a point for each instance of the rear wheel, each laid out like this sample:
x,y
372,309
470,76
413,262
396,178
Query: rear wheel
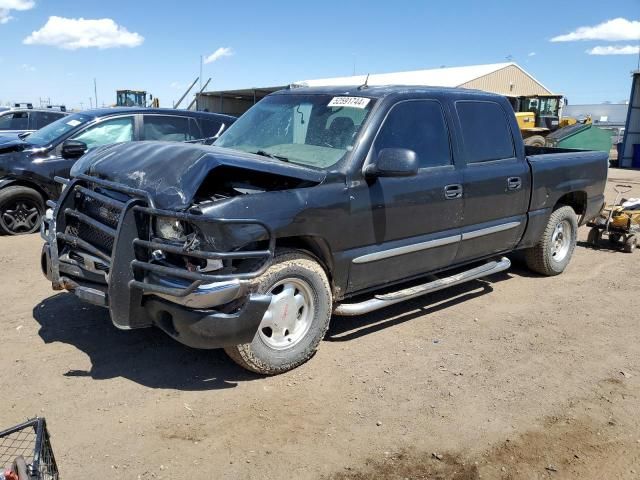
x,y
553,251
21,210
630,243
535,141
296,320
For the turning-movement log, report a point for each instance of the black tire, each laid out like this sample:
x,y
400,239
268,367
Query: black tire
x,y
544,258
630,243
594,237
21,210
535,141
260,355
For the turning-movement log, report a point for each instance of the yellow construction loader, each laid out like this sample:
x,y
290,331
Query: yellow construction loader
x,y
537,116
135,98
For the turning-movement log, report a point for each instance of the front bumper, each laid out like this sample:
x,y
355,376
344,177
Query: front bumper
x,y
197,309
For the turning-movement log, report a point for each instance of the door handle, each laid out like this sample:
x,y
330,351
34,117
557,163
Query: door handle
x,y
514,183
453,191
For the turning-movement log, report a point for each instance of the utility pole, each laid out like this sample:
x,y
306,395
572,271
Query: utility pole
x,y
200,72
90,102
95,91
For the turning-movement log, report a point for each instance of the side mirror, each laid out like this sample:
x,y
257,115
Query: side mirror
x,y
73,149
394,162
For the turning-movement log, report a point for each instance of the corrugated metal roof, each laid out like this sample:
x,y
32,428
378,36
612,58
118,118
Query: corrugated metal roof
x,y
441,77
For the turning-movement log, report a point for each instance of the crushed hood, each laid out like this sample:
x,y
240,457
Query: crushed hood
x,y
172,172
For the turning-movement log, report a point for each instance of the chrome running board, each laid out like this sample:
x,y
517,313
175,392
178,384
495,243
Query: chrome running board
x,y
381,301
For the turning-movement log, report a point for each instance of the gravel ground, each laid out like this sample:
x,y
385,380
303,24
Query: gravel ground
x,y
513,377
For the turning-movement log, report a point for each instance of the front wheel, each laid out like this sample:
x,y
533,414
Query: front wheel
x,y
296,320
551,255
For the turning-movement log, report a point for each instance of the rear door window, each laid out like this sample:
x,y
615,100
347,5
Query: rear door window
x,y
14,121
168,128
485,131
417,125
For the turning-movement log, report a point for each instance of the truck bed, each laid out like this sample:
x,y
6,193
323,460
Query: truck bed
x,y
558,171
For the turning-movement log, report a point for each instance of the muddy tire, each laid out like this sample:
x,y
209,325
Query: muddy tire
x,y
535,141
21,210
594,237
630,244
296,320
551,255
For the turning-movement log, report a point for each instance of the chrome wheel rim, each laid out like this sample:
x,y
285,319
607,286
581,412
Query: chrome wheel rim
x,y
561,240
290,314
21,216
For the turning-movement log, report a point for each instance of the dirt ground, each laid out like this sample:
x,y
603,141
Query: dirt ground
x,y
513,377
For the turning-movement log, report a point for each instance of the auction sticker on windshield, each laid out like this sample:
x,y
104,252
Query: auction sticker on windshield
x,y
73,123
353,102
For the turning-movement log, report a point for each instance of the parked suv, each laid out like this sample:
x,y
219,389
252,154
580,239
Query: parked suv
x,y
28,166
315,202
19,121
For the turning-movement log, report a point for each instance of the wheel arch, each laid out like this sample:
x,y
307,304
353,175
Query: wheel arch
x,y
316,246
576,200
10,182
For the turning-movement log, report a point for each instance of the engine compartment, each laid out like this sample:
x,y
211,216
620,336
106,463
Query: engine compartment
x,y
225,182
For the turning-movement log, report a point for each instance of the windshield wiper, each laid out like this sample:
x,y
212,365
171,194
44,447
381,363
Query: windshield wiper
x,y
271,155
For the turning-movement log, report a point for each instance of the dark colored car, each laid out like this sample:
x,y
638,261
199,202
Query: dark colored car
x,y
315,202
18,121
29,165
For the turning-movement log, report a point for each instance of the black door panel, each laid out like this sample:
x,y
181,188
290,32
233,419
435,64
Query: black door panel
x,y
496,183
414,228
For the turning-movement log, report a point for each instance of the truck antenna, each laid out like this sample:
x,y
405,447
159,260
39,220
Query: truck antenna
x,y
365,84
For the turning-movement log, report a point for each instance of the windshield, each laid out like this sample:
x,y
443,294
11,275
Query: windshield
x,y
311,130
541,105
51,132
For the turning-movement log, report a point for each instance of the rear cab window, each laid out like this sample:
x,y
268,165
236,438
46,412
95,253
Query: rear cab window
x,y
485,131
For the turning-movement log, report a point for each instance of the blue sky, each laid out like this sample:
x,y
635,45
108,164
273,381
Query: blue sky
x,y
278,42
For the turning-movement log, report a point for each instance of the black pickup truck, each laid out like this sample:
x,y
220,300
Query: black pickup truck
x,y
317,201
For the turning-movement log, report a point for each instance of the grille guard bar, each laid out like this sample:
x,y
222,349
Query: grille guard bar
x,y
82,182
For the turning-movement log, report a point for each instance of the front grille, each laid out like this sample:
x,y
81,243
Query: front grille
x,y
90,234
101,211
89,220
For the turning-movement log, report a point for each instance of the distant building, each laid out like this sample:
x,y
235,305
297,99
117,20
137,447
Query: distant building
x,y
612,115
503,78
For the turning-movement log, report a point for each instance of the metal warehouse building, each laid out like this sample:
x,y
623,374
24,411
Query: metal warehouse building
x,y
503,78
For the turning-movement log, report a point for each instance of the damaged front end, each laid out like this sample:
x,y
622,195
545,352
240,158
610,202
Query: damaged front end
x,y
183,271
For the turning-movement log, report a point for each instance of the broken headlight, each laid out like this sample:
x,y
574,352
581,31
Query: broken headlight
x,y
169,228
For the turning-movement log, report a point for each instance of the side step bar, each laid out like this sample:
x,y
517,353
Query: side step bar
x,y
381,301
